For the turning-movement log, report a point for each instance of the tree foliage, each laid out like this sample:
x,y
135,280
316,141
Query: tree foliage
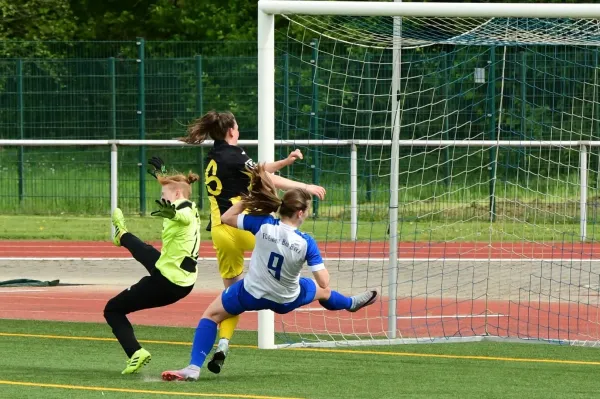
x,y
36,20
166,19
117,20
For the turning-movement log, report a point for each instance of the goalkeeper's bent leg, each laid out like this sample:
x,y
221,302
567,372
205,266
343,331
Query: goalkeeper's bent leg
x,y
121,327
144,253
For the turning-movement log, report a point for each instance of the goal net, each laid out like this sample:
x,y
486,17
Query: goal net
x,y
488,127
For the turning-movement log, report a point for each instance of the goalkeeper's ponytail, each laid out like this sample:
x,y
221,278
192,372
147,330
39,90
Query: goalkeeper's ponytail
x,y
181,181
192,177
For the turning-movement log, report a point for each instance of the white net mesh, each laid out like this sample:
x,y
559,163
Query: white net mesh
x,y
489,235
378,32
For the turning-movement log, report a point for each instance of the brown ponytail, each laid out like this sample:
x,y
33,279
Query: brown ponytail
x,y
213,124
192,177
294,200
263,199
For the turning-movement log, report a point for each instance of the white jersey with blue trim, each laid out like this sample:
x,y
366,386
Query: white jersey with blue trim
x,y
278,258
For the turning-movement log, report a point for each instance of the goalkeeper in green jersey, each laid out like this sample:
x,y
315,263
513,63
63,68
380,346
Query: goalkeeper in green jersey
x,y
172,271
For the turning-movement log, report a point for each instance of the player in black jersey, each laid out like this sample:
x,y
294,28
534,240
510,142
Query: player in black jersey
x,y
226,179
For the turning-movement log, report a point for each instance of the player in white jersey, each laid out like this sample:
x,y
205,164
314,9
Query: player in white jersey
x,y
273,280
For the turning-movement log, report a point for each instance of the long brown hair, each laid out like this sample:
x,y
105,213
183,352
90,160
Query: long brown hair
x,y
262,198
180,181
213,124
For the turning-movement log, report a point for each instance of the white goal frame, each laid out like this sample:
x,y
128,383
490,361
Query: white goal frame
x,y
267,9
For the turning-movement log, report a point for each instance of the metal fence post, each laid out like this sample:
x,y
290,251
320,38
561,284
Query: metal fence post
x,y
199,112
21,118
583,178
141,112
492,128
446,126
114,183
314,126
286,112
353,192
113,97
370,97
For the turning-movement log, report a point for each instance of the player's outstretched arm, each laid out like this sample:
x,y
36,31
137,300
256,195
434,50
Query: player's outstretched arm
x,y
230,217
158,167
273,167
322,278
166,209
184,216
285,184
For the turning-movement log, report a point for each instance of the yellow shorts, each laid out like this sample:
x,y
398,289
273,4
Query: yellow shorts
x,y
231,243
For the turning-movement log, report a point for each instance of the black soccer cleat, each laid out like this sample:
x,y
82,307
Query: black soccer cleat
x,y
216,363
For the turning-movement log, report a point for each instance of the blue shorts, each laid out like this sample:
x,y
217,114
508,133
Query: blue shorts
x,y
237,300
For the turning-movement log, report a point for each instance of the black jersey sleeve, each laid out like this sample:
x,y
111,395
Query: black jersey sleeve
x,y
241,160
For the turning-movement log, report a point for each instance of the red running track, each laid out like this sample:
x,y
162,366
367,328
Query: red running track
x,y
417,317
359,249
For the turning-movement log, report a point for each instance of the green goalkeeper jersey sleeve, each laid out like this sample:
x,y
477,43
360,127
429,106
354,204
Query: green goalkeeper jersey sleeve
x,y
180,245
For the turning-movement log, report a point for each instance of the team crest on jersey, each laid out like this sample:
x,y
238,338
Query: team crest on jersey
x,y
250,163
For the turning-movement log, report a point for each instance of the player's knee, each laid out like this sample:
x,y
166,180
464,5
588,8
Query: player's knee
x,y
108,315
209,314
229,281
111,309
323,293
213,318
214,315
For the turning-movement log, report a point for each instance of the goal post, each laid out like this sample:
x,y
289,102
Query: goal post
x,y
477,25
266,135
391,9
394,172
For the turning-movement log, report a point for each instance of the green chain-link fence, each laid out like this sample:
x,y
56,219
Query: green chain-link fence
x,y
151,90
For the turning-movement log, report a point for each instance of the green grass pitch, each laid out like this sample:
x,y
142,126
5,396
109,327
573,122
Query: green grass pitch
x,y
49,367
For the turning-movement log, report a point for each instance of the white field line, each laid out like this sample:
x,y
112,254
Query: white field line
x,y
10,290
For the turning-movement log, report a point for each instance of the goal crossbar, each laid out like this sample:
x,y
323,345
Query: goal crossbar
x,y
487,10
